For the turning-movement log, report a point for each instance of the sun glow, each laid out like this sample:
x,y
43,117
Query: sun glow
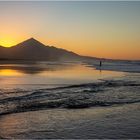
x,y
7,42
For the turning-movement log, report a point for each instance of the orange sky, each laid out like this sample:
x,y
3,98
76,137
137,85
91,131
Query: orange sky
x,y
98,29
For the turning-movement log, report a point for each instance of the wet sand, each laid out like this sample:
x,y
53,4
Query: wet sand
x,y
96,122
109,108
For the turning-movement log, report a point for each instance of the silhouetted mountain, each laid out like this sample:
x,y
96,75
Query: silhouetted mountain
x,y
3,51
32,49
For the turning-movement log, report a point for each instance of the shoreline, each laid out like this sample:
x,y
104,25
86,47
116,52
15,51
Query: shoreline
x,y
106,109
95,122
118,67
104,93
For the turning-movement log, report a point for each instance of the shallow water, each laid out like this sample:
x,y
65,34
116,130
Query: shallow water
x,y
37,101
98,122
43,74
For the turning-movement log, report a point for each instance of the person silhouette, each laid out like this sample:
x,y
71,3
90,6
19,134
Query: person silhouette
x,y
100,63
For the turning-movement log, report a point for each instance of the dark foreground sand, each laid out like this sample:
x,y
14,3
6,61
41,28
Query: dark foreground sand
x,y
96,122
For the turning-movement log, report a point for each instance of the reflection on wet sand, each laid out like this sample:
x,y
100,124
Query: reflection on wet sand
x,y
102,122
9,72
47,73
30,69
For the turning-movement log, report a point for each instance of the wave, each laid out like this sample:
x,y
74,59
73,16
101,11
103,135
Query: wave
x,y
104,93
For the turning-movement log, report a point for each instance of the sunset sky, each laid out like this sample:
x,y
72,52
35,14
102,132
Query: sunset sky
x,y
100,29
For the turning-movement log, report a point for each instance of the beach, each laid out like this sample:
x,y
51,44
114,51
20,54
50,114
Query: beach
x,y
105,108
69,69
121,122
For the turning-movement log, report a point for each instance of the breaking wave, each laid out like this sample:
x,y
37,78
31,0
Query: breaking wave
x,y
104,93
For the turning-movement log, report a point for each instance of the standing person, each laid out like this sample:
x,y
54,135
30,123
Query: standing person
x,y
100,63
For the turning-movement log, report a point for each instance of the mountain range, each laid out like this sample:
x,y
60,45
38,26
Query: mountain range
x,y
32,49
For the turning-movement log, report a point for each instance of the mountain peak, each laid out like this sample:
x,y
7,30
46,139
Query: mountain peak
x,y
31,42
31,39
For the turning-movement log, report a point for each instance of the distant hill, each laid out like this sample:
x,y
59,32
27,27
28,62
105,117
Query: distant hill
x,y
32,49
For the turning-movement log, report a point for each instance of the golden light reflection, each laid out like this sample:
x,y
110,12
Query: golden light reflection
x,y
9,72
80,72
